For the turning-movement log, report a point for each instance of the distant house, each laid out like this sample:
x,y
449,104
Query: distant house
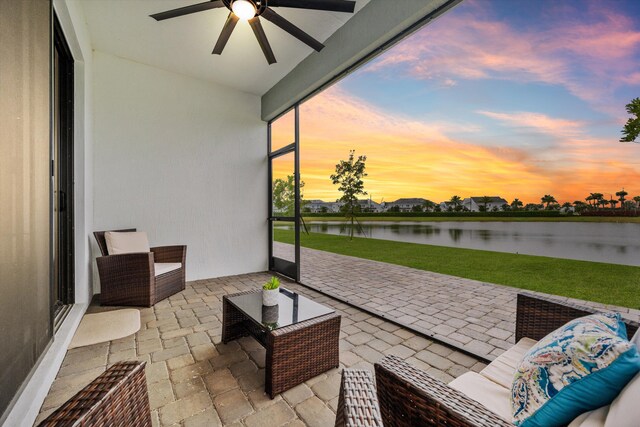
x,y
405,205
369,205
445,206
474,203
320,206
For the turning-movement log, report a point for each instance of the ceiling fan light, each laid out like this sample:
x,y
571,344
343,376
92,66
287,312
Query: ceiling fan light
x,y
243,9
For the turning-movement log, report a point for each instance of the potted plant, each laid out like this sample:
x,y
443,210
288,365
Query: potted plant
x,y
271,292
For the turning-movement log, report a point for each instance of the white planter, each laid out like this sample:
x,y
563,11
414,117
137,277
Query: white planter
x,y
270,297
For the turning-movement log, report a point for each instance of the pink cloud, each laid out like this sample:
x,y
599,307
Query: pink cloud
x,y
540,122
590,59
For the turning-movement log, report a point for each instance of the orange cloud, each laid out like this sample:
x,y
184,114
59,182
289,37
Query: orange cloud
x,y
410,158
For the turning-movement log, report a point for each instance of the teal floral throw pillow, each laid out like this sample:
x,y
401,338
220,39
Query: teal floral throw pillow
x,y
577,368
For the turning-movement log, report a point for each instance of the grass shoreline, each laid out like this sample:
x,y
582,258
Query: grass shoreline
x,y
593,281
620,219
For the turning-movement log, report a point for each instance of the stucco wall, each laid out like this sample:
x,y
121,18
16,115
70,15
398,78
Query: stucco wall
x,y
183,160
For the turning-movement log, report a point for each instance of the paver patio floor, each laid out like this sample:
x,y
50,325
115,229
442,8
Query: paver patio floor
x,y
194,380
475,316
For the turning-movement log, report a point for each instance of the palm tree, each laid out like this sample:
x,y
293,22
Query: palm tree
x,y
485,200
594,199
456,201
548,199
428,205
613,203
516,204
579,205
621,196
637,200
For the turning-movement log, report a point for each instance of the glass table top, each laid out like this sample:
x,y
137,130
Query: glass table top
x,y
291,309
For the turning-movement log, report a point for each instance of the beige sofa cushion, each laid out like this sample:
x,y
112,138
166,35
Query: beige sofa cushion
x,y
126,242
594,418
502,369
165,267
493,396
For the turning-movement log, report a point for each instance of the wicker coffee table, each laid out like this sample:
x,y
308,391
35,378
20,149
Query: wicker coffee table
x,y
301,336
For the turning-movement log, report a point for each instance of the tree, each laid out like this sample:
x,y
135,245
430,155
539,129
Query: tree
x,y
637,200
416,208
579,205
548,199
284,196
348,177
631,129
456,201
505,207
567,205
428,205
485,200
613,203
622,197
594,199
516,204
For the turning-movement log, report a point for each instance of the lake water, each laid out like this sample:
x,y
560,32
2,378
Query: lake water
x,y
617,243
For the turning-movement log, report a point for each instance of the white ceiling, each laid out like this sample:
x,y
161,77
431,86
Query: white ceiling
x,y
184,44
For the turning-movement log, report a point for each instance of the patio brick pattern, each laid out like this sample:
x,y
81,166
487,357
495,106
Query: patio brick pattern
x,y
194,380
474,316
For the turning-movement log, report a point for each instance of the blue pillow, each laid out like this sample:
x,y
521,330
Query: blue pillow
x,y
577,368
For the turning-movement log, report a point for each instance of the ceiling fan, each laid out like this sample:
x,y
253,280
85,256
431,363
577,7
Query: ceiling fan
x,y
252,10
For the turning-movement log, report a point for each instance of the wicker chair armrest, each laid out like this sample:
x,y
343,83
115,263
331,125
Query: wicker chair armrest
x,y
117,397
126,263
358,402
409,397
538,316
177,253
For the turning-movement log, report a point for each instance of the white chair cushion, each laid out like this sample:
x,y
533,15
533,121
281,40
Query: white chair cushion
x,y
502,369
624,411
165,267
595,418
126,242
636,339
493,396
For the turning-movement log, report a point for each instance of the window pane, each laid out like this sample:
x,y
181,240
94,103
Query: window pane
x,y
283,131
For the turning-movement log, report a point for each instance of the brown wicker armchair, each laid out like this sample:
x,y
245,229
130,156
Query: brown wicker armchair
x,y
118,397
406,396
130,279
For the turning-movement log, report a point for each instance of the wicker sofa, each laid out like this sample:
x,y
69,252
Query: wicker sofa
x,y
140,279
406,396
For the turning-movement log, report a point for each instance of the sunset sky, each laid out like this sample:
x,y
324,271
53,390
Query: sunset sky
x,y
514,98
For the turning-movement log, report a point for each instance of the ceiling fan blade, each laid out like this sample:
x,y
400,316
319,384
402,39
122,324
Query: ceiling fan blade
x,y
232,20
330,5
296,32
256,26
212,4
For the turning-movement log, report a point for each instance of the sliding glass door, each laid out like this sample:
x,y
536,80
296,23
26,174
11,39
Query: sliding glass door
x,y
62,177
284,195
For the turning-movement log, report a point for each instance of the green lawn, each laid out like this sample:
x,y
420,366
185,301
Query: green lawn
x,y
480,219
606,283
